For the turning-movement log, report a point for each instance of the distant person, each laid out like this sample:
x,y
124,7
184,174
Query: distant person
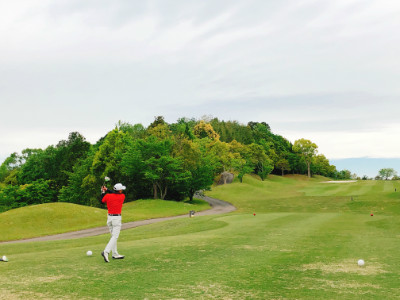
x,y
114,200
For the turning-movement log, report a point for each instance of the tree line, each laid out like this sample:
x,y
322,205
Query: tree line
x,y
165,161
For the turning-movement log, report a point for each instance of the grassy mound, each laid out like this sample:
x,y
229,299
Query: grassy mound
x,y
53,218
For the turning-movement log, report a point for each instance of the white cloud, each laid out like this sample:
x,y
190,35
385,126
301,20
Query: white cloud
x,y
344,144
18,139
328,69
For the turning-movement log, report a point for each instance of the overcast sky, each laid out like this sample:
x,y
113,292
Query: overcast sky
x,y
328,71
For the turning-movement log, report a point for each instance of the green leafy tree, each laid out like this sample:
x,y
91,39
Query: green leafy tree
x,y
133,161
159,120
152,159
244,159
161,131
264,168
307,150
343,174
283,165
76,191
165,171
9,164
9,197
205,130
198,162
232,130
107,159
39,164
183,129
67,153
241,162
221,151
260,130
170,161
322,166
297,163
55,163
201,177
36,192
136,131
263,165
243,167
386,173
12,177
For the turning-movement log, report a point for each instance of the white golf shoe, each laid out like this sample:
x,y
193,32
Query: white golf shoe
x,y
118,256
105,256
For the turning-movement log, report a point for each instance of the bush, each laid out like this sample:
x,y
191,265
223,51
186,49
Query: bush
x,y
37,192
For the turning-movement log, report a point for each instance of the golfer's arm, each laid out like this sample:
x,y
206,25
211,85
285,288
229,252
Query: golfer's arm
x,y
103,194
101,198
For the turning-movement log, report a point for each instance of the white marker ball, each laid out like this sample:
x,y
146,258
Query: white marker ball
x,y
361,262
89,253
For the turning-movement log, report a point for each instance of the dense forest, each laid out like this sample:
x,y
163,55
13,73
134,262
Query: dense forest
x,y
166,161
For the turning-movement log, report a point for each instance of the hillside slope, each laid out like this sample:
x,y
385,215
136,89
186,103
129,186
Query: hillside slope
x,y
300,194
52,218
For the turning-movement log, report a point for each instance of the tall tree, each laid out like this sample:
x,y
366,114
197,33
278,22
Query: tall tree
x,y
153,159
205,130
106,160
159,120
225,155
198,162
164,171
247,156
283,165
136,131
386,173
307,150
67,153
76,191
322,167
9,164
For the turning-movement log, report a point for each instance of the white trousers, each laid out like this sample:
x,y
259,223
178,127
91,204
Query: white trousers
x,y
114,224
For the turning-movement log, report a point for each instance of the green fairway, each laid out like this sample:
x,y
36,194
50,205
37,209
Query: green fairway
x,y
300,194
303,243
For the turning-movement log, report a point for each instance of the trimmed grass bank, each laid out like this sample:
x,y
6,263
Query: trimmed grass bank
x,y
54,218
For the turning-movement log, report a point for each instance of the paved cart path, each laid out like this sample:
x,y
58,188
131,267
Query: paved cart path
x,y
217,207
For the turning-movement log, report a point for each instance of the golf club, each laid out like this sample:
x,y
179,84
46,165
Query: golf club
x,y
106,179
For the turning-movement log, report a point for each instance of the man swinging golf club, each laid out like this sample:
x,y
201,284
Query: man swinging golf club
x,y
114,200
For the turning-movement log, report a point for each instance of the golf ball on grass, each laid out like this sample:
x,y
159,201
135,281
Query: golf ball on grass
x,y
89,253
361,262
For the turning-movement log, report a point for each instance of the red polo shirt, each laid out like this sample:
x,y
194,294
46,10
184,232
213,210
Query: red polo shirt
x,y
114,202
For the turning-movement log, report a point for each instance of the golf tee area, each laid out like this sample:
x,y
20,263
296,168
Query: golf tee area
x,y
290,237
